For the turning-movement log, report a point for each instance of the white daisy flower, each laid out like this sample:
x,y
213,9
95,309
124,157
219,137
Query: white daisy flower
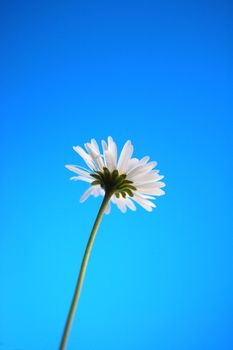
x,y
126,179
121,181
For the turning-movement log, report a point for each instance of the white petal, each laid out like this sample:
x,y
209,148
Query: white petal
x,y
95,155
109,160
125,156
92,190
77,170
95,145
143,202
112,148
146,178
137,163
144,160
141,169
122,207
97,191
146,196
120,204
161,184
150,172
123,203
151,191
105,149
144,199
108,209
104,145
86,157
130,204
151,185
82,178
132,163
86,194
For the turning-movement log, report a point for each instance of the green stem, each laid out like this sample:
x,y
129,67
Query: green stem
x,y
83,269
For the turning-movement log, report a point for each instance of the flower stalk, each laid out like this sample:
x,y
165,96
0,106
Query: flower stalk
x,y
73,306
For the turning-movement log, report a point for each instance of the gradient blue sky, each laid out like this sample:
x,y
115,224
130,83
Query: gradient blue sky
x,y
160,74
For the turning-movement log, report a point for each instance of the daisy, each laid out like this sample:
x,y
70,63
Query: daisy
x,y
122,181
128,179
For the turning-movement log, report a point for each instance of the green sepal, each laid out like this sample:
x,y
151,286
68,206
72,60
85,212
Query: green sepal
x,y
96,176
115,174
123,187
101,175
130,193
128,182
96,182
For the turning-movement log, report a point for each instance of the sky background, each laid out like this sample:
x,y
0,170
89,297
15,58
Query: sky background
x,y
160,74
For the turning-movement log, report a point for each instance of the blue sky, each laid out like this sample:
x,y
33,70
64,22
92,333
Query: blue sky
x,y
159,74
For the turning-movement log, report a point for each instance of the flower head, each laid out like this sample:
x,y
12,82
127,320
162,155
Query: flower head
x,y
127,179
